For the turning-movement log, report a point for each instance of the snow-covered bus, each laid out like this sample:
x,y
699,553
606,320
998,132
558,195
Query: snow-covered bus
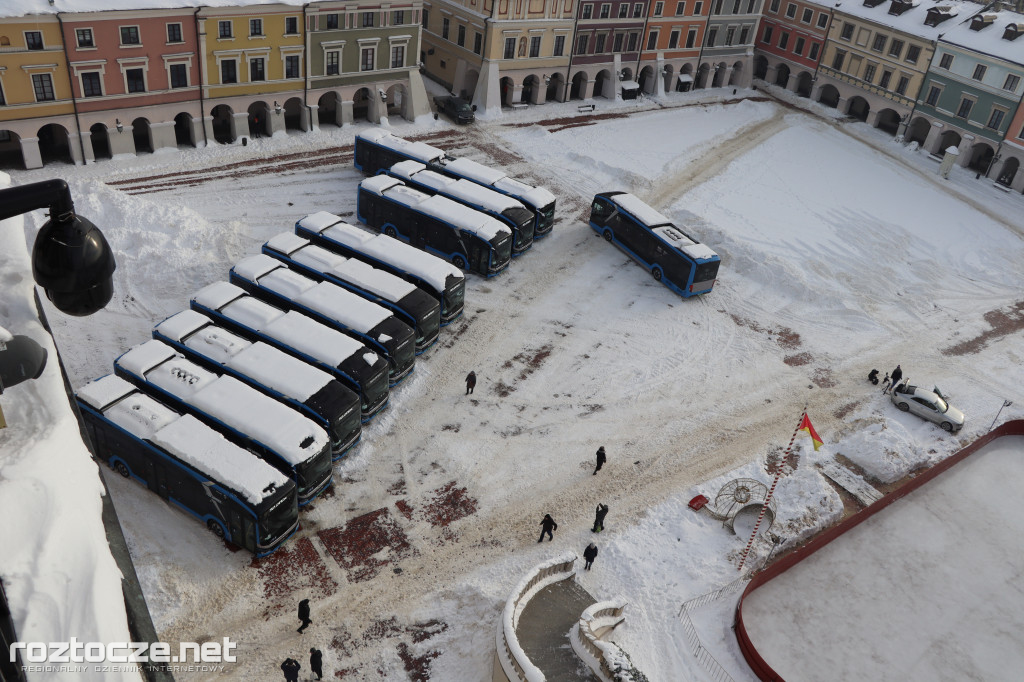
x,y
279,435
406,302
502,208
378,150
271,280
673,257
438,278
344,358
239,497
273,372
467,238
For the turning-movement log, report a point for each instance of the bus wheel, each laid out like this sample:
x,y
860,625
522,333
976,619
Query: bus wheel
x,y
608,235
215,528
391,231
122,469
656,272
459,262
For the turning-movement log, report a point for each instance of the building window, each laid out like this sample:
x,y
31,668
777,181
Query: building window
x,y
813,54
744,34
224,29
255,27
367,58
461,36
837,60
291,66
228,71
774,7
291,26
847,33
933,96
3,102
718,8
368,19
332,21
822,20
136,80
658,7
478,42
34,41
730,33
605,11
895,48
913,54
946,61
807,15
633,39
426,18
617,43
879,43
680,9
623,11
534,46
698,8
510,48
1011,83
783,40
673,40
790,11
599,44
799,47
638,10
257,72
886,77
179,75
691,37
397,56
869,73
901,85
712,34
587,10
767,37
397,17
333,62
42,84
995,119
130,35
174,33
652,40
581,45
91,86
446,25
559,46
736,7
965,108
979,72
84,37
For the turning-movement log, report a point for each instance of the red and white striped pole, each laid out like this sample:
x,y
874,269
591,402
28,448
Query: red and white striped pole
x,y
778,475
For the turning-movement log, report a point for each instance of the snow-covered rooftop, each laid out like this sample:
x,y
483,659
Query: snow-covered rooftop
x,y
417,150
462,189
534,196
911,21
990,39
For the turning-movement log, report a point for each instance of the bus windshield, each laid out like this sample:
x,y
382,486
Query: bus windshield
x,y
312,474
502,244
277,521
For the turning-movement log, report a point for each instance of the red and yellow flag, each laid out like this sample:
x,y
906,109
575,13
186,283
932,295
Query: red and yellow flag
x,y
806,425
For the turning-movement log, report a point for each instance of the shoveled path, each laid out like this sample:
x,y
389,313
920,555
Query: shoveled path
x,y
544,626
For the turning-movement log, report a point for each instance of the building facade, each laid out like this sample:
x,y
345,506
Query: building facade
x,y
790,43
672,45
606,50
727,58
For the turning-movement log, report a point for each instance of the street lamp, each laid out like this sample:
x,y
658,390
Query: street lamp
x,y
71,259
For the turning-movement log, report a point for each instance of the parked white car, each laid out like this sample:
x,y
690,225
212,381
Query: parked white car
x,y
929,405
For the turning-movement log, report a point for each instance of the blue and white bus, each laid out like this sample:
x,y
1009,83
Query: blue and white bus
x,y
377,150
279,435
273,372
468,239
238,496
438,278
329,304
344,358
673,257
406,302
502,208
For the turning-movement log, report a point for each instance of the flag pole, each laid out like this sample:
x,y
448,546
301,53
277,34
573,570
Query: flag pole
x,y
768,497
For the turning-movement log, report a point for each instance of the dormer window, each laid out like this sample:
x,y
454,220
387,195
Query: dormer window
x,y
937,15
898,7
873,3
1013,31
980,21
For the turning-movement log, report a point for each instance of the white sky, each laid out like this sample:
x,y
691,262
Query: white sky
x,y
859,249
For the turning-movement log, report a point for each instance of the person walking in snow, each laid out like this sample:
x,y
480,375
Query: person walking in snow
x,y
304,615
601,459
316,662
590,553
873,376
470,382
256,127
602,511
291,667
547,525
896,375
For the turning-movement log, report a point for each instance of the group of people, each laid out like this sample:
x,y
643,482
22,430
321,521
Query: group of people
x,y
291,667
891,380
548,525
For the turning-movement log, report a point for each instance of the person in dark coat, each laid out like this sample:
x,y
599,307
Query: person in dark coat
x,y
304,615
896,375
873,376
256,126
602,511
590,553
470,382
316,662
547,525
601,459
291,667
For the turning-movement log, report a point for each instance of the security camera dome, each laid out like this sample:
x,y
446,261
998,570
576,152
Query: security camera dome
x,y
72,261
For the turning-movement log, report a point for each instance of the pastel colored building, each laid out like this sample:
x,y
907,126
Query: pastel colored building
x,y
790,43
606,51
672,45
727,57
